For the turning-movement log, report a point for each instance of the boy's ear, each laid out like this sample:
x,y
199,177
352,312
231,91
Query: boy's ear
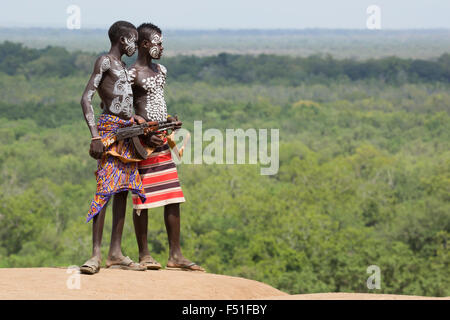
x,y
122,39
146,44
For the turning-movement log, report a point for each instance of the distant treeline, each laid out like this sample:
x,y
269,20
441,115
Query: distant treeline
x,y
225,68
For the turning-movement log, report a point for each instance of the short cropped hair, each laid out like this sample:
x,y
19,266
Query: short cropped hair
x,y
120,29
145,30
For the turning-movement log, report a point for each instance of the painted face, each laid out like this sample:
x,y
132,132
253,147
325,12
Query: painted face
x,y
130,45
156,49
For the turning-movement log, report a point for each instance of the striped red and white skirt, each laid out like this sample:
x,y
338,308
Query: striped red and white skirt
x,y
160,179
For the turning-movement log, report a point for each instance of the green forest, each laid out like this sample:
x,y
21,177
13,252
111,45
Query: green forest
x,y
364,172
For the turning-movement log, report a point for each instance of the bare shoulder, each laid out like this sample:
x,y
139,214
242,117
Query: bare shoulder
x,y
103,63
163,69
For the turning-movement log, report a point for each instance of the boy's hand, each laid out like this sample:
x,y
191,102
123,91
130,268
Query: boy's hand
x,y
96,149
155,141
138,119
175,119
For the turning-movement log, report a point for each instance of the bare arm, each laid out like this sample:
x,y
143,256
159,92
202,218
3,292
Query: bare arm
x,y
102,64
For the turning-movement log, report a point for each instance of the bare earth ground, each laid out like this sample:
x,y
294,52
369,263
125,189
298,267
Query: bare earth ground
x,y
54,283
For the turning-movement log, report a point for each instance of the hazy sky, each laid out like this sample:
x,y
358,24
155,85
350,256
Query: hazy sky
x,y
229,14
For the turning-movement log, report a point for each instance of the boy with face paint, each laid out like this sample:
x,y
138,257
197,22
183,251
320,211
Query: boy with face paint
x,y
158,172
116,171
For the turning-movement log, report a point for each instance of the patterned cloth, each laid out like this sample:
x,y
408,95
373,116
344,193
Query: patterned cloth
x,y
160,178
114,173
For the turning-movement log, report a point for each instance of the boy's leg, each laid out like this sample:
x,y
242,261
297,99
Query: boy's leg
x,y
172,221
141,230
92,265
97,232
119,210
115,256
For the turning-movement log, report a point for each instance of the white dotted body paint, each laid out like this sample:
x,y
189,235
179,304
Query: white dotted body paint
x,y
155,104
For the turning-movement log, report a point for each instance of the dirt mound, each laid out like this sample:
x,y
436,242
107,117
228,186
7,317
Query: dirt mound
x,y
59,283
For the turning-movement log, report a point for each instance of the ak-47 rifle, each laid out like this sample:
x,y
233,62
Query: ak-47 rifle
x,y
146,128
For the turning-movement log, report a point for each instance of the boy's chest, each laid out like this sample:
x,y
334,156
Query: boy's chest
x,y
149,81
117,81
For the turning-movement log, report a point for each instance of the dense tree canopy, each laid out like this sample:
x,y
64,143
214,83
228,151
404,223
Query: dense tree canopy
x,y
225,68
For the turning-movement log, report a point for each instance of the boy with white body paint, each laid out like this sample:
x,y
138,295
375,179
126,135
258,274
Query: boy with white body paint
x,y
116,173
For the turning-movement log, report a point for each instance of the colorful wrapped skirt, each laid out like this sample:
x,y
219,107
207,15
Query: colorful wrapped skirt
x,y
117,171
